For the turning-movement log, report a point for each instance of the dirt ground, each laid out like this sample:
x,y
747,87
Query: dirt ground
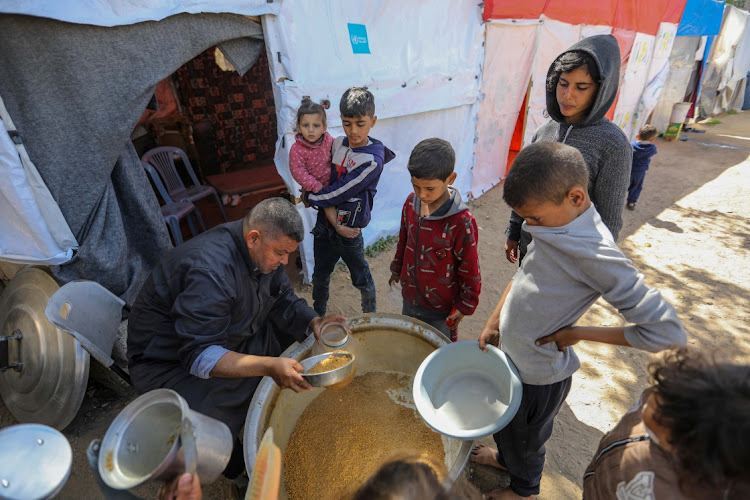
x,y
689,235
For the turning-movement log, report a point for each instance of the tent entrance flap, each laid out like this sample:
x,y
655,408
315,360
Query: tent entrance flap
x,y
34,230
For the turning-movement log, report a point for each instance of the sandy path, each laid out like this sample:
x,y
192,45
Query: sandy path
x,y
690,236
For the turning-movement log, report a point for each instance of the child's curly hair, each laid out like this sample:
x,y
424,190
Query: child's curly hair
x,y
705,404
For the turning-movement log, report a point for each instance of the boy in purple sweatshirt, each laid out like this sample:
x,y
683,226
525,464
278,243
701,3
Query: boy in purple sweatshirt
x,y
357,164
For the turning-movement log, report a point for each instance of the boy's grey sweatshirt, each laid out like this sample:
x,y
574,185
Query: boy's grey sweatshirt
x,y
604,147
565,271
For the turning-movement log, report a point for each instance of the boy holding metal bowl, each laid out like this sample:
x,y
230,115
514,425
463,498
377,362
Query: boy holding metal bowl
x,y
572,261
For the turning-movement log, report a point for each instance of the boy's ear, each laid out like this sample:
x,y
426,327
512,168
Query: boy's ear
x,y
451,178
374,119
577,196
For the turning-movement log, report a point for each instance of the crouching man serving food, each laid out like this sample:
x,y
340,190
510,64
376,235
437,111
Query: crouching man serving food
x,y
216,312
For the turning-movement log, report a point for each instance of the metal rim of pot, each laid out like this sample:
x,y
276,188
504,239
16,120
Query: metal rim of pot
x,y
259,413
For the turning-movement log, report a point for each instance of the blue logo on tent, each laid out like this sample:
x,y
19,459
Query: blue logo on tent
x,y
358,37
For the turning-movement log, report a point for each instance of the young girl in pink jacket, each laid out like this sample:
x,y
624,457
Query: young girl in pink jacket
x,y
310,155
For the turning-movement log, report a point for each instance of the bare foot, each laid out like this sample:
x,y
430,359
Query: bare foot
x,y
505,494
485,455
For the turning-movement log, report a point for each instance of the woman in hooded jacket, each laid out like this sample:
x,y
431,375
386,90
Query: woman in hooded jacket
x,y
581,85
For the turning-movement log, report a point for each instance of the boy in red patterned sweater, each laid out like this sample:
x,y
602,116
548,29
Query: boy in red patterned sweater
x,y
436,258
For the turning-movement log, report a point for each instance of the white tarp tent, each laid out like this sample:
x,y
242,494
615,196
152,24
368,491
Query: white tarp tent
x,y
503,93
681,64
644,78
32,229
728,64
423,67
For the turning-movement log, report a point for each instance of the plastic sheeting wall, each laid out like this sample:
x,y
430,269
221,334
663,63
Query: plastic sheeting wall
x,y
718,85
633,81
657,76
32,229
681,63
503,96
424,68
644,78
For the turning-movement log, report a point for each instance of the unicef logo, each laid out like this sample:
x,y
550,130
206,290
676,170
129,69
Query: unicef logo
x,y
356,40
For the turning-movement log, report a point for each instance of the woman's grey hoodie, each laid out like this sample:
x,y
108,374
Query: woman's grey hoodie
x,y
605,148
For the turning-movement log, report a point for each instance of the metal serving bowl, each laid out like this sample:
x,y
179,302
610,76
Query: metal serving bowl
x,y
324,379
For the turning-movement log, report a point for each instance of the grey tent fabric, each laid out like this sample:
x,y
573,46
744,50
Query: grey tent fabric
x,y
242,53
75,92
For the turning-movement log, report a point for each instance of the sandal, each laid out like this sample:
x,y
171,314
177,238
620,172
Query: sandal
x,y
631,206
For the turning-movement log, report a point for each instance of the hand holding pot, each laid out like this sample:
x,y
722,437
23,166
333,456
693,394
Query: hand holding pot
x,y
286,373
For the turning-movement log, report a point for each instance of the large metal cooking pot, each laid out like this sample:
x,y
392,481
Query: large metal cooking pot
x,y
386,342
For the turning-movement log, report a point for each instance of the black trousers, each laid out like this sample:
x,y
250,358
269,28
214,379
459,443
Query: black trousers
x,y
521,443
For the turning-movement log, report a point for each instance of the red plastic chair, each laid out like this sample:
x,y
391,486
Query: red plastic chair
x,y
162,159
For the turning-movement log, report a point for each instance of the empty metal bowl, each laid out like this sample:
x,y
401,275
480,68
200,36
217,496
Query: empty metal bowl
x,y
325,379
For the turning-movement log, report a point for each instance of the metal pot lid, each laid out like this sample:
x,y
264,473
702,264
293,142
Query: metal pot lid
x,y
50,387
36,461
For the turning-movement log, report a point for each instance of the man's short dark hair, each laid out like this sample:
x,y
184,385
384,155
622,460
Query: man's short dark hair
x,y
647,132
432,159
357,101
275,217
544,172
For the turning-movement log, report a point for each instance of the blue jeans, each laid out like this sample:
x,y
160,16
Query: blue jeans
x,y
328,247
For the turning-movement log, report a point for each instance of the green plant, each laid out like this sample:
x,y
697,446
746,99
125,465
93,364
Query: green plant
x,y
732,112
386,243
712,121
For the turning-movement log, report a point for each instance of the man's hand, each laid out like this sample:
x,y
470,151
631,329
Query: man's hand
x,y
286,373
184,487
563,337
511,250
347,232
317,324
489,336
393,279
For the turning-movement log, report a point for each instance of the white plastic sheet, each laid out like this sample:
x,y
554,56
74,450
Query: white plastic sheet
x,y
633,81
681,63
554,38
719,70
505,80
657,75
32,229
424,68
122,12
